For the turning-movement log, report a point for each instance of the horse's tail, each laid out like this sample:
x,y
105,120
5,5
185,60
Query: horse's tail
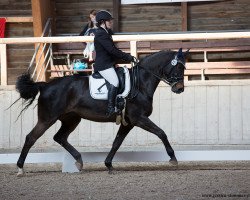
x,y
27,88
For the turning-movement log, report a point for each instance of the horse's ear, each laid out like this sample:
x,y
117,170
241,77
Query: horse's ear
x,y
186,53
179,52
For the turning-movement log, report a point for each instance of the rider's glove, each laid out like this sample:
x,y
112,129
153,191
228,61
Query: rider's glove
x,y
133,59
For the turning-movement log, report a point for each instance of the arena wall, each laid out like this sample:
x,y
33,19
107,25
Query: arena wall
x,y
208,115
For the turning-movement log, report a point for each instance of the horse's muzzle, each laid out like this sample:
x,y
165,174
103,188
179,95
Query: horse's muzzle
x,y
178,87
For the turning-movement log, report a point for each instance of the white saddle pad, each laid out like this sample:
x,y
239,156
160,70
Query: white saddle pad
x,y
97,90
100,91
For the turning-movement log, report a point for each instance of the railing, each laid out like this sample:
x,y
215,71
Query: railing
x,y
24,19
3,48
133,39
41,50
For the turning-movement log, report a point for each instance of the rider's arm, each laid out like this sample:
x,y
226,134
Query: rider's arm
x,y
84,30
110,47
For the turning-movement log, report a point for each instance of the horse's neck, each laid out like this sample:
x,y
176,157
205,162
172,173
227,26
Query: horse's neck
x,y
148,82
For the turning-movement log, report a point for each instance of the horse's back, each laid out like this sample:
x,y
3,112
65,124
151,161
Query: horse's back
x,y
63,84
62,93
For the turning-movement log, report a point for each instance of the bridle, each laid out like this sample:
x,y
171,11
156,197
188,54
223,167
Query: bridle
x,y
172,80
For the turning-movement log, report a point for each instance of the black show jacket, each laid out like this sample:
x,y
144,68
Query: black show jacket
x,y
106,51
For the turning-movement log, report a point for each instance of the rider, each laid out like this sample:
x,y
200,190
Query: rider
x,y
106,55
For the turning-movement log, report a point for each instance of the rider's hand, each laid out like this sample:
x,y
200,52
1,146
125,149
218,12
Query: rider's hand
x,y
133,59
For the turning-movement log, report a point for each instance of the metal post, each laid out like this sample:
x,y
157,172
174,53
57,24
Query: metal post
x,y
203,70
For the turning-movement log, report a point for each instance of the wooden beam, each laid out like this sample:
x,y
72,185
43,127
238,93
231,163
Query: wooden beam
x,y
3,55
38,24
123,38
198,46
37,18
133,48
116,13
42,10
184,16
213,68
218,65
226,71
19,19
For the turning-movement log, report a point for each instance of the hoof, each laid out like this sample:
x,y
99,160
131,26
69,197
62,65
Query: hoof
x,y
111,170
20,172
173,161
79,166
109,166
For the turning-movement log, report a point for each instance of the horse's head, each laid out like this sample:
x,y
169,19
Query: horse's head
x,y
168,66
173,72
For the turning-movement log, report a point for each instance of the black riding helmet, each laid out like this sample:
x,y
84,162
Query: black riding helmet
x,y
103,15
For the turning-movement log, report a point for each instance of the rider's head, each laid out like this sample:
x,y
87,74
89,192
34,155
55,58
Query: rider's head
x,y
104,19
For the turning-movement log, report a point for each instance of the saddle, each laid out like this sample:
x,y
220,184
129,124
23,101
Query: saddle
x,y
98,86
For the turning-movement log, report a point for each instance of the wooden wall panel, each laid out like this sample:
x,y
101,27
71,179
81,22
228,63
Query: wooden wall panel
x,y
246,113
204,116
200,113
212,116
15,8
177,119
18,56
188,132
18,30
236,114
5,116
221,15
202,16
150,18
224,114
71,15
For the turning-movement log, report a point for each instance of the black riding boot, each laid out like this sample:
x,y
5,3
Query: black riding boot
x,y
111,100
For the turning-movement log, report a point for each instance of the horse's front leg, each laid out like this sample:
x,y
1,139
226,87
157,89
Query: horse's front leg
x,y
121,134
146,124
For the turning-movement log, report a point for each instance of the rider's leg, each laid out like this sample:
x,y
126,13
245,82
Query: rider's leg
x,y
111,76
111,100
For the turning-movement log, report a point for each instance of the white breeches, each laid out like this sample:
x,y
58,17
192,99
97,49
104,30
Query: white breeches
x,y
111,76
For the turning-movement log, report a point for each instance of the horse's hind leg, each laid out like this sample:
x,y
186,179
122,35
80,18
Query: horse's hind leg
x,y
30,140
121,134
146,124
69,123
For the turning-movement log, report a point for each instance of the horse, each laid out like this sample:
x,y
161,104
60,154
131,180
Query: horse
x,y
68,99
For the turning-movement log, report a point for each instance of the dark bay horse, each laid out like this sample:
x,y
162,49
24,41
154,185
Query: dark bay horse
x,y
68,99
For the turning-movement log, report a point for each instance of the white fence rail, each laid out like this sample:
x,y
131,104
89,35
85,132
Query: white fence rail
x,y
123,38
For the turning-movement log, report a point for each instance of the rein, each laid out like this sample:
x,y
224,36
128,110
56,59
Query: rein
x,y
135,81
170,81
